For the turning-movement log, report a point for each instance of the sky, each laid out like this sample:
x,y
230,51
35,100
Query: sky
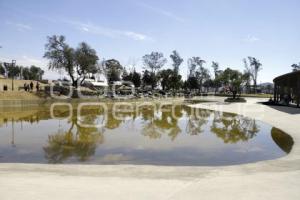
x,y
225,31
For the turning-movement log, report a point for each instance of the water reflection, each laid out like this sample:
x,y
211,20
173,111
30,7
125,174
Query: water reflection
x,y
233,128
159,134
164,122
76,142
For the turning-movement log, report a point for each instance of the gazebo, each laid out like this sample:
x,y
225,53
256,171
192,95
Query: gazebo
x,y
287,88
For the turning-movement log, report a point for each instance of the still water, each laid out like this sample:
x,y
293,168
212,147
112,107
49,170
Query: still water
x,y
174,134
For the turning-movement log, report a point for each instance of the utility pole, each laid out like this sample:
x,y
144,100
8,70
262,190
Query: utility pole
x,y
13,63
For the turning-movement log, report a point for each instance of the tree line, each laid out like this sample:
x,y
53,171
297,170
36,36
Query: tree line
x,y
25,73
79,62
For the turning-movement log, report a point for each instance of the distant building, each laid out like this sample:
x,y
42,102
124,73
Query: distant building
x,y
96,80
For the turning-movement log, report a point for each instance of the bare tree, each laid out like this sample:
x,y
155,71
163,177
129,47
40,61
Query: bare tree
x,y
216,82
154,61
253,68
177,60
193,63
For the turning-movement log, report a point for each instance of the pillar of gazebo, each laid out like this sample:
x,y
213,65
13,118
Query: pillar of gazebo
x,y
274,95
277,93
298,91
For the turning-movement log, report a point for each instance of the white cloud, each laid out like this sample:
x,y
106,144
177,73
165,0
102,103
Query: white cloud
x,y
20,26
108,32
251,39
32,61
135,36
163,12
85,29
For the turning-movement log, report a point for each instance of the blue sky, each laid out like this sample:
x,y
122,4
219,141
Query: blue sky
x,y
225,31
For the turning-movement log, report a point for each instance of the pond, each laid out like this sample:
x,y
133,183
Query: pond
x,y
135,133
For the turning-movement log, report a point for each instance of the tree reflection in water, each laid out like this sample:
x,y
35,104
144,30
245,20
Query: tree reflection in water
x,y
232,128
80,142
197,118
162,122
156,121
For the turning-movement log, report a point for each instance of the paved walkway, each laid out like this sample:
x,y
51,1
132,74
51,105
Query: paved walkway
x,y
275,179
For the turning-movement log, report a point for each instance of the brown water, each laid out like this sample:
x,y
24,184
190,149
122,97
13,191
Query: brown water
x,y
155,135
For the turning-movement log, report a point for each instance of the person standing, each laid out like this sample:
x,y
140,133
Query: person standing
x,y
31,86
25,87
37,86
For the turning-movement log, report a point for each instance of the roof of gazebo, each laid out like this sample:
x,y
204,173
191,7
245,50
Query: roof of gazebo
x,y
288,79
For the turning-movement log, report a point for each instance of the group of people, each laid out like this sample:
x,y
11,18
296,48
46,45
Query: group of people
x,y
29,87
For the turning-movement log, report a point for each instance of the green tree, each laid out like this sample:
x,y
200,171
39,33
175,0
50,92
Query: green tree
x,y
295,67
175,81
233,80
247,78
192,83
207,84
136,78
77,63
2,69
149,78
175,78
133,76
61,56
12,70
113,70
125,75
165,76
26,73
85,59
32,73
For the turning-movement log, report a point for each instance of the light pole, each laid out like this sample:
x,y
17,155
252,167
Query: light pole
x,y
13,63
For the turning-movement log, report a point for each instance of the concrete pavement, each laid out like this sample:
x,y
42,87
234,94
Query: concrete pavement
x,y
273,179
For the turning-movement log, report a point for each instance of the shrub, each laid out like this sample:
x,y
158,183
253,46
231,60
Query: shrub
x,y
236,100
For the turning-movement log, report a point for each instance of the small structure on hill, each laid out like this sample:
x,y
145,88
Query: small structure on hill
x,y
287,88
